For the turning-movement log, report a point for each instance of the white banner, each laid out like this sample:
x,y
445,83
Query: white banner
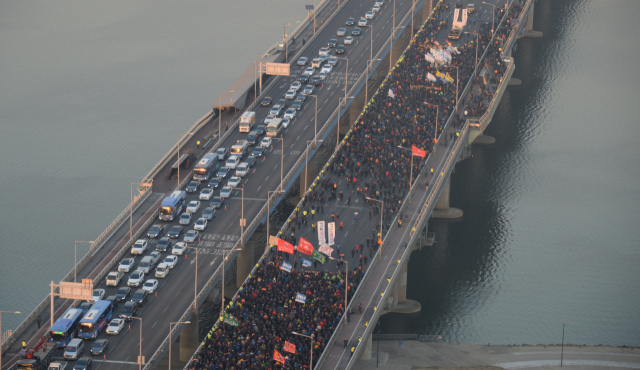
x,y
325,249
321,239
464,16
456,13
431,77
429,58
332,233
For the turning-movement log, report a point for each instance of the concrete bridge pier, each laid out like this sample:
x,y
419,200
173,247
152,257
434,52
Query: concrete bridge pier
x,y
189,339
366,353
245,263
528,29
442,209
402,304
483,139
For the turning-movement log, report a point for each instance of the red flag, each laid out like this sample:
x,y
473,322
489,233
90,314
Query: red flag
x,y
278,357
289,347
285,247
418,152
305,247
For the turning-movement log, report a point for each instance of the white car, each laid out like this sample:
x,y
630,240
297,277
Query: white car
x,y
379,2
191,236
126,264
362,22
98,294
323,75
162,270
266,142
225,192
206,194
296,85
348,40
290,113
242,170
115,326
185,218
139,247
178,249
233,162
171,261
324,51
201,224
333,60
193,206
303,61
234,181
308,90
327,68
376,8
150,285
309,71
369,15
114,277
291,94
286,122
136,278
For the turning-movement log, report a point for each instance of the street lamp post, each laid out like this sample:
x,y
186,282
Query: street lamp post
x,y
284,40
346,77
311,336
173,323
435,137
140,355
366,89
456,81
195,290
315,119
178,155
131,206
224,258
220,107
75,259
281,160
381,219
371,49
477,34
346,282
345,107
242,220
17,313
268,209
306,161
493,19
411,171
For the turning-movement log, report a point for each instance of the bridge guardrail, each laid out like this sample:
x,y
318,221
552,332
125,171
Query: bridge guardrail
x,y
514,33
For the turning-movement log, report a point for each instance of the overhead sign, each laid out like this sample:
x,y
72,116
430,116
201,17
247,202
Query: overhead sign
x,y
278,69
83,290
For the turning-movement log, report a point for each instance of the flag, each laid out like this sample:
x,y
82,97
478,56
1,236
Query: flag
x,y
436,42
431,77
440,74
456,50
391,94
448,78
332,233
305,247
321,239
418,152
325,249
464,17
230,320
285,247
318,257
305,262
273,240
429,58
278,357
301,298
289,347
286,266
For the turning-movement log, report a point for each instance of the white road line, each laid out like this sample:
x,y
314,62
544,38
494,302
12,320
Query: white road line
x,y
154,324
214,261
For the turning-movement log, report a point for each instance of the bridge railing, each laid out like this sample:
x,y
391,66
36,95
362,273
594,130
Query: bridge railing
x,y
516,30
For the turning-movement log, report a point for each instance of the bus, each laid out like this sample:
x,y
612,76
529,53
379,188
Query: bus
x,y
274,127
66,327
207,166
172,205
95,320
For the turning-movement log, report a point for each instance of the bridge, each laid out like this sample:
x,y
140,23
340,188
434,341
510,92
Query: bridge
x,y
264,189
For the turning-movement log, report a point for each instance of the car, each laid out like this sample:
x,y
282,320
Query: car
x,y
362,22
115,326
185,218
261,130
368,15
206,194
126,264
114,277
175,231
286,122
290,94
150,286
74,349
163,244
155,231
178,249
376,8
252,136
296,85
201,224
84,306
193,206
379,2
308,90
171,261
266,142
242,170
297,104
257,151
192,187
223,172
332,43
209,213
267,120
129,310
234,181
310,71
156,257
113,300
99,346
216,202
141,296
323,58
343,31
303,61
251,160
225,192
332,61
356,31
348,40
304,78
136,278
327,68
282,103
191,236
139,247
340,49
223,153
315,80
123,293
323,51
98,294
290,113
214,183
266,101
83,363
232,162
162,270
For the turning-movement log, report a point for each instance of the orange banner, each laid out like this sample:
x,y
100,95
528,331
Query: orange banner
x,y
418,152
285,247
278,357
305,246
289,347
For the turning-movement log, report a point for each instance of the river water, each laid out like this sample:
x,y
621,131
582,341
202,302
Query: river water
x,y
95,94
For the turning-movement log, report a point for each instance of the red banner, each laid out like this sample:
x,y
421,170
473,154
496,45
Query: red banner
x,y
305,246
418,152
278,357
289,347
285,247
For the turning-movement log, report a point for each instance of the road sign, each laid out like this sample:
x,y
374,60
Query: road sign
x,y
278,69
140,362
83,290
243,222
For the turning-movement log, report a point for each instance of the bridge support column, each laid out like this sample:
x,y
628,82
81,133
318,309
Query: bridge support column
x,y
189,339
310,173
401,285
442,209
529,32
483,139
245,263
366,353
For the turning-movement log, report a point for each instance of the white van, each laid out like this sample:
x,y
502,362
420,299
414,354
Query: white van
x,y
162,270
316,63
74,349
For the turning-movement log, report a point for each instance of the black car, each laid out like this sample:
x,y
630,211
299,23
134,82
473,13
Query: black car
x,y
340,49
163,244
84,363
129,310
140,297
214,183
193,187
99,347
266,102
252,137
356,31
297,104
155,231
113,299
257,152
216,202
350,22
261,130
123,293
175,231
283,103
251,161
304,78
333,43
315,81
85,306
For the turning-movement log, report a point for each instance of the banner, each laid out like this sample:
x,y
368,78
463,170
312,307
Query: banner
x,y
273,240
429,58
456,50
301,298
318,257
305,262
305,247
289,347
456,13
278,357
464,17
285,247
391,94
418,152
448,78
230,320
325,249
321,239
431,77
332,233
286,266
440,74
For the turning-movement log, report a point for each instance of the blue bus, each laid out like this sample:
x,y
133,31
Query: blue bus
x,y
206,167
66,327
172,205
95,320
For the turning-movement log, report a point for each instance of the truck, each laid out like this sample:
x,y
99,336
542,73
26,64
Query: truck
x,y
39,357
58,365
240,148
456,31
247,120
